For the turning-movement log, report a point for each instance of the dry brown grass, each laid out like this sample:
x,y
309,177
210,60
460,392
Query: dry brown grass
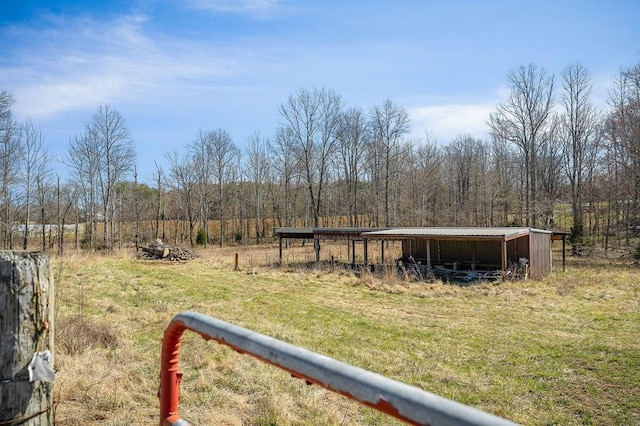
x,y
77,333
559,351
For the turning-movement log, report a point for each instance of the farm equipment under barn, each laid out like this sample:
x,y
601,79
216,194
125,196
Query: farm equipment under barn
x,y
410,268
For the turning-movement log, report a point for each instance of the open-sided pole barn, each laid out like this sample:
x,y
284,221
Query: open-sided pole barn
x,y
474,248
318,234
470,248
296,234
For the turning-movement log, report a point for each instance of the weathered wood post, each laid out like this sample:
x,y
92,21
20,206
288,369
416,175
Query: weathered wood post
x,y
26,327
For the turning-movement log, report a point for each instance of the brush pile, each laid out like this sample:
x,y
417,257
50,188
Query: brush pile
x,y
158,250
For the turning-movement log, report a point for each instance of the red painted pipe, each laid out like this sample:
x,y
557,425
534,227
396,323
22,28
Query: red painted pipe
x,y
169,392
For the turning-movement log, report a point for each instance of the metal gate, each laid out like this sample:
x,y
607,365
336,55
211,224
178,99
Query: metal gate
x,y
407,403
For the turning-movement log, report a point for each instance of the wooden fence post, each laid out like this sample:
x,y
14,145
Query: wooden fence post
x,y
26,327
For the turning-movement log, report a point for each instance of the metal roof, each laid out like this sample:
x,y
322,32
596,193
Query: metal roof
x,y
302,233
338,233
449,233
348,230
354,234
478,233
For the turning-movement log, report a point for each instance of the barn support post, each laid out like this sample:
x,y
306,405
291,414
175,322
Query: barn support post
x,y
353,253
280,250
503,246
564,255
26,333
473,255
366,252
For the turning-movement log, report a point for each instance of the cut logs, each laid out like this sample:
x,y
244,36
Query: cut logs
x,y
158,250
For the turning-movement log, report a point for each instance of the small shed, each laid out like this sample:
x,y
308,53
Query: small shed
x,y
474,248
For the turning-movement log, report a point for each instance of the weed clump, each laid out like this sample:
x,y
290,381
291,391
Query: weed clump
x,y
76,333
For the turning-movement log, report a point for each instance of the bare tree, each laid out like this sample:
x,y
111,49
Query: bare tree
x,y
113,141
425,181
578,134
521,120
258,165
354,132
313,118
285,172
100,158
224,157
9,154
6,116
184,181
83,157
34,172
43,188
202,153
466,162
610,187
238,200
460,157
549,173
159,177
373,190
509,183
390,123
66,199
623,134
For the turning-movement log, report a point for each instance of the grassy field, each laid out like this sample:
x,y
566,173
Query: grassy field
x,y
565,350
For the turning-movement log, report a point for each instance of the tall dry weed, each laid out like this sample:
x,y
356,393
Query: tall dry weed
x,y
76,333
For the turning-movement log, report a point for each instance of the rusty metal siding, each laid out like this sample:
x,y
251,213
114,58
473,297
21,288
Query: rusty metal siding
x,y
540,259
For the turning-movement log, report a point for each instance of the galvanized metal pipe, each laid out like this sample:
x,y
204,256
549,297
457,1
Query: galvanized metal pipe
x,y
407,403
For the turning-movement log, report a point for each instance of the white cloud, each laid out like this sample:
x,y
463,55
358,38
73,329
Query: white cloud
x,y
447,121
81,63
235,6
53,97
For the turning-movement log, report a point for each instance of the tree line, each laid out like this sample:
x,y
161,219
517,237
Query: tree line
x,y
552,160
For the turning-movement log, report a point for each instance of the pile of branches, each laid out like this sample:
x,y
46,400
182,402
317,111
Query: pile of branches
x,y
158,250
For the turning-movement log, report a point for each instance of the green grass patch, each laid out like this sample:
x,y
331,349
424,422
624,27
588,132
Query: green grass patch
x,y
560,351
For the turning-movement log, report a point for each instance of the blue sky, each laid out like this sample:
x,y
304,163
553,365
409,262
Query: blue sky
x,y
172,67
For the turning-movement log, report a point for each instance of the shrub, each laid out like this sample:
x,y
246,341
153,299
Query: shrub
x,y
201,238
576,239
